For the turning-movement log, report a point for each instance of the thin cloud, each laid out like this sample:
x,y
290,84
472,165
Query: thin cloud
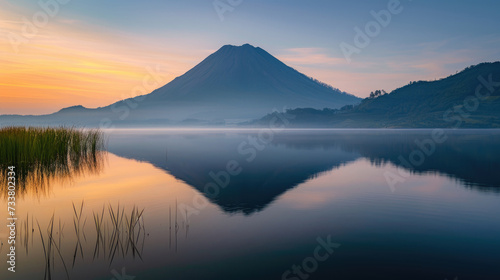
x,y
311,56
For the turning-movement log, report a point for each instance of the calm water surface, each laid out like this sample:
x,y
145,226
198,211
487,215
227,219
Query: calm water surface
x,y
226,205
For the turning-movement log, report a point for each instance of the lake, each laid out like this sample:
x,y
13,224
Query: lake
x,y
256,204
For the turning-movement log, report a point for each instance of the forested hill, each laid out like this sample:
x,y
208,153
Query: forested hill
x,y
469,99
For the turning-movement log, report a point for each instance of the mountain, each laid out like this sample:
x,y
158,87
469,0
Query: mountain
x,y
242,82
234,83
449,102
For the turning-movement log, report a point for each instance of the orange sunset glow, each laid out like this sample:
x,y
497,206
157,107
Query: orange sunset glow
x,y
65,65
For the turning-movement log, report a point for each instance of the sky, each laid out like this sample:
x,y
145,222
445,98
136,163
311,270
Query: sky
x,y
60,53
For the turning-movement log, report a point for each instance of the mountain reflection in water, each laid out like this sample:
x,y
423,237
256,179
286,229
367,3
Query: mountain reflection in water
x,y
293,157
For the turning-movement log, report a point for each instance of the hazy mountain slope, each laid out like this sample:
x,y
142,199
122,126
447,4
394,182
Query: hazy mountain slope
x,y
238,82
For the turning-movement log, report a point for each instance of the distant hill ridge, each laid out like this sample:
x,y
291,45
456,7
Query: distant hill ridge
x,y
448,102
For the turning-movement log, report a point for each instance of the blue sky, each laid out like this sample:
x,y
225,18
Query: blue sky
x,y
426,40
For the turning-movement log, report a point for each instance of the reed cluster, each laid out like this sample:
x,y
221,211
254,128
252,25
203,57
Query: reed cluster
x,y
34,145
44,154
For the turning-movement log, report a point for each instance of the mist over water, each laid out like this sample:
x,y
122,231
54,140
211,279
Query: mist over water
x,y
277,194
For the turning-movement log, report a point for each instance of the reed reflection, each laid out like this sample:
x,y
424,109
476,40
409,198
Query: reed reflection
x,y
44,156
